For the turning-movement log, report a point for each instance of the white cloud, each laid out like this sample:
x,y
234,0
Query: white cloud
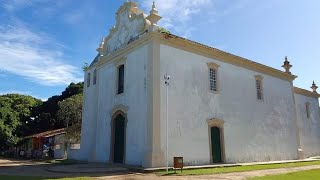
x,y
178,13
44,8
35,57
14,92
13,5
182,17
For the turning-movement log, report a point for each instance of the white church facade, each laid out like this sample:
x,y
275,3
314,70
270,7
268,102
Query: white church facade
x,y
222,108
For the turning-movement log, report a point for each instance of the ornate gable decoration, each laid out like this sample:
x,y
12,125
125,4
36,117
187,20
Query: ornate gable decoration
x,y
131,23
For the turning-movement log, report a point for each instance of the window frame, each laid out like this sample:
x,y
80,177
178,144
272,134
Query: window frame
x,y
214,81
94,77
118,92
88,79
307,108
259,89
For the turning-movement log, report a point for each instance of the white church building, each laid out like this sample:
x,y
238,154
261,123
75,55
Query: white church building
x,y
222,108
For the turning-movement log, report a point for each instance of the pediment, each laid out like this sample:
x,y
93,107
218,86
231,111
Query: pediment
x,y
131,22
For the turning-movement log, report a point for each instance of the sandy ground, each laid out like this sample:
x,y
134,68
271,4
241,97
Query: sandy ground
x,y
29,168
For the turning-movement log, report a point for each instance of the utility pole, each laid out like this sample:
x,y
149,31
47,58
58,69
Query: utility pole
x,y
167,78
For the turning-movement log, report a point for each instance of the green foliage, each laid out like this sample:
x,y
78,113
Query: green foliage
x,y
46,117
85,66
72,89
15,109
163,30
70,112
22,115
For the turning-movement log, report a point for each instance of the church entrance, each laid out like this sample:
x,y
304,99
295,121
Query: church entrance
x,y
119,134
216,145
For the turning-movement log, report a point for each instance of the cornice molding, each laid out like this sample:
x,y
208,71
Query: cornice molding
x,y
306,92
196,48
258,77
212,65
215,122
119,107
119,61
213,53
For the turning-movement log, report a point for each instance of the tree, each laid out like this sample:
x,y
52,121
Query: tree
x,y
70,112
71,90
15,110
85,66
45,116
22,115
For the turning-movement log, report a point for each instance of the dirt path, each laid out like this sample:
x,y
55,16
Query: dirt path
x,y
26,168
12,163
29,168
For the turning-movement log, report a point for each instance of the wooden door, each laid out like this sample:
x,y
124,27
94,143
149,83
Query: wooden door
x,y
216,145
119,139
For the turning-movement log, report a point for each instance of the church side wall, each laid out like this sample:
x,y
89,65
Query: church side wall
x,y
309,127
254,130
88,120
133,98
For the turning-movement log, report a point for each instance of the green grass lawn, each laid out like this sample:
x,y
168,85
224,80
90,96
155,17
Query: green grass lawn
x,y
40,178
301,175
218,170
315,174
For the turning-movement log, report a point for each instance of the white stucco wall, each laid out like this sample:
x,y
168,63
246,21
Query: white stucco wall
x,y
59,141
59,153
73,153
309,127
88,119
253,130
101,98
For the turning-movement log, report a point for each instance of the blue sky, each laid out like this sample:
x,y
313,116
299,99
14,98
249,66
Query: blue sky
x,y
44,43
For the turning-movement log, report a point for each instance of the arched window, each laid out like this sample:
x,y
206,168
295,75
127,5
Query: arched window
x,y
95,77
88,79
121,79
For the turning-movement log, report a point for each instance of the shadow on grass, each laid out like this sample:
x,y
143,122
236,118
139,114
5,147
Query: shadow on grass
x,y
169,174
38,170
39,178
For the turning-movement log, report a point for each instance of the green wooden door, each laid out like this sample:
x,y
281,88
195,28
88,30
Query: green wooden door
x,y
119,139
216,145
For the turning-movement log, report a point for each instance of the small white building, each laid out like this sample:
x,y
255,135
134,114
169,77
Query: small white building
x,y
222,108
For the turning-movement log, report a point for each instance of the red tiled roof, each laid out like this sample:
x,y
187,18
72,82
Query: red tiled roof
x,y
48,133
